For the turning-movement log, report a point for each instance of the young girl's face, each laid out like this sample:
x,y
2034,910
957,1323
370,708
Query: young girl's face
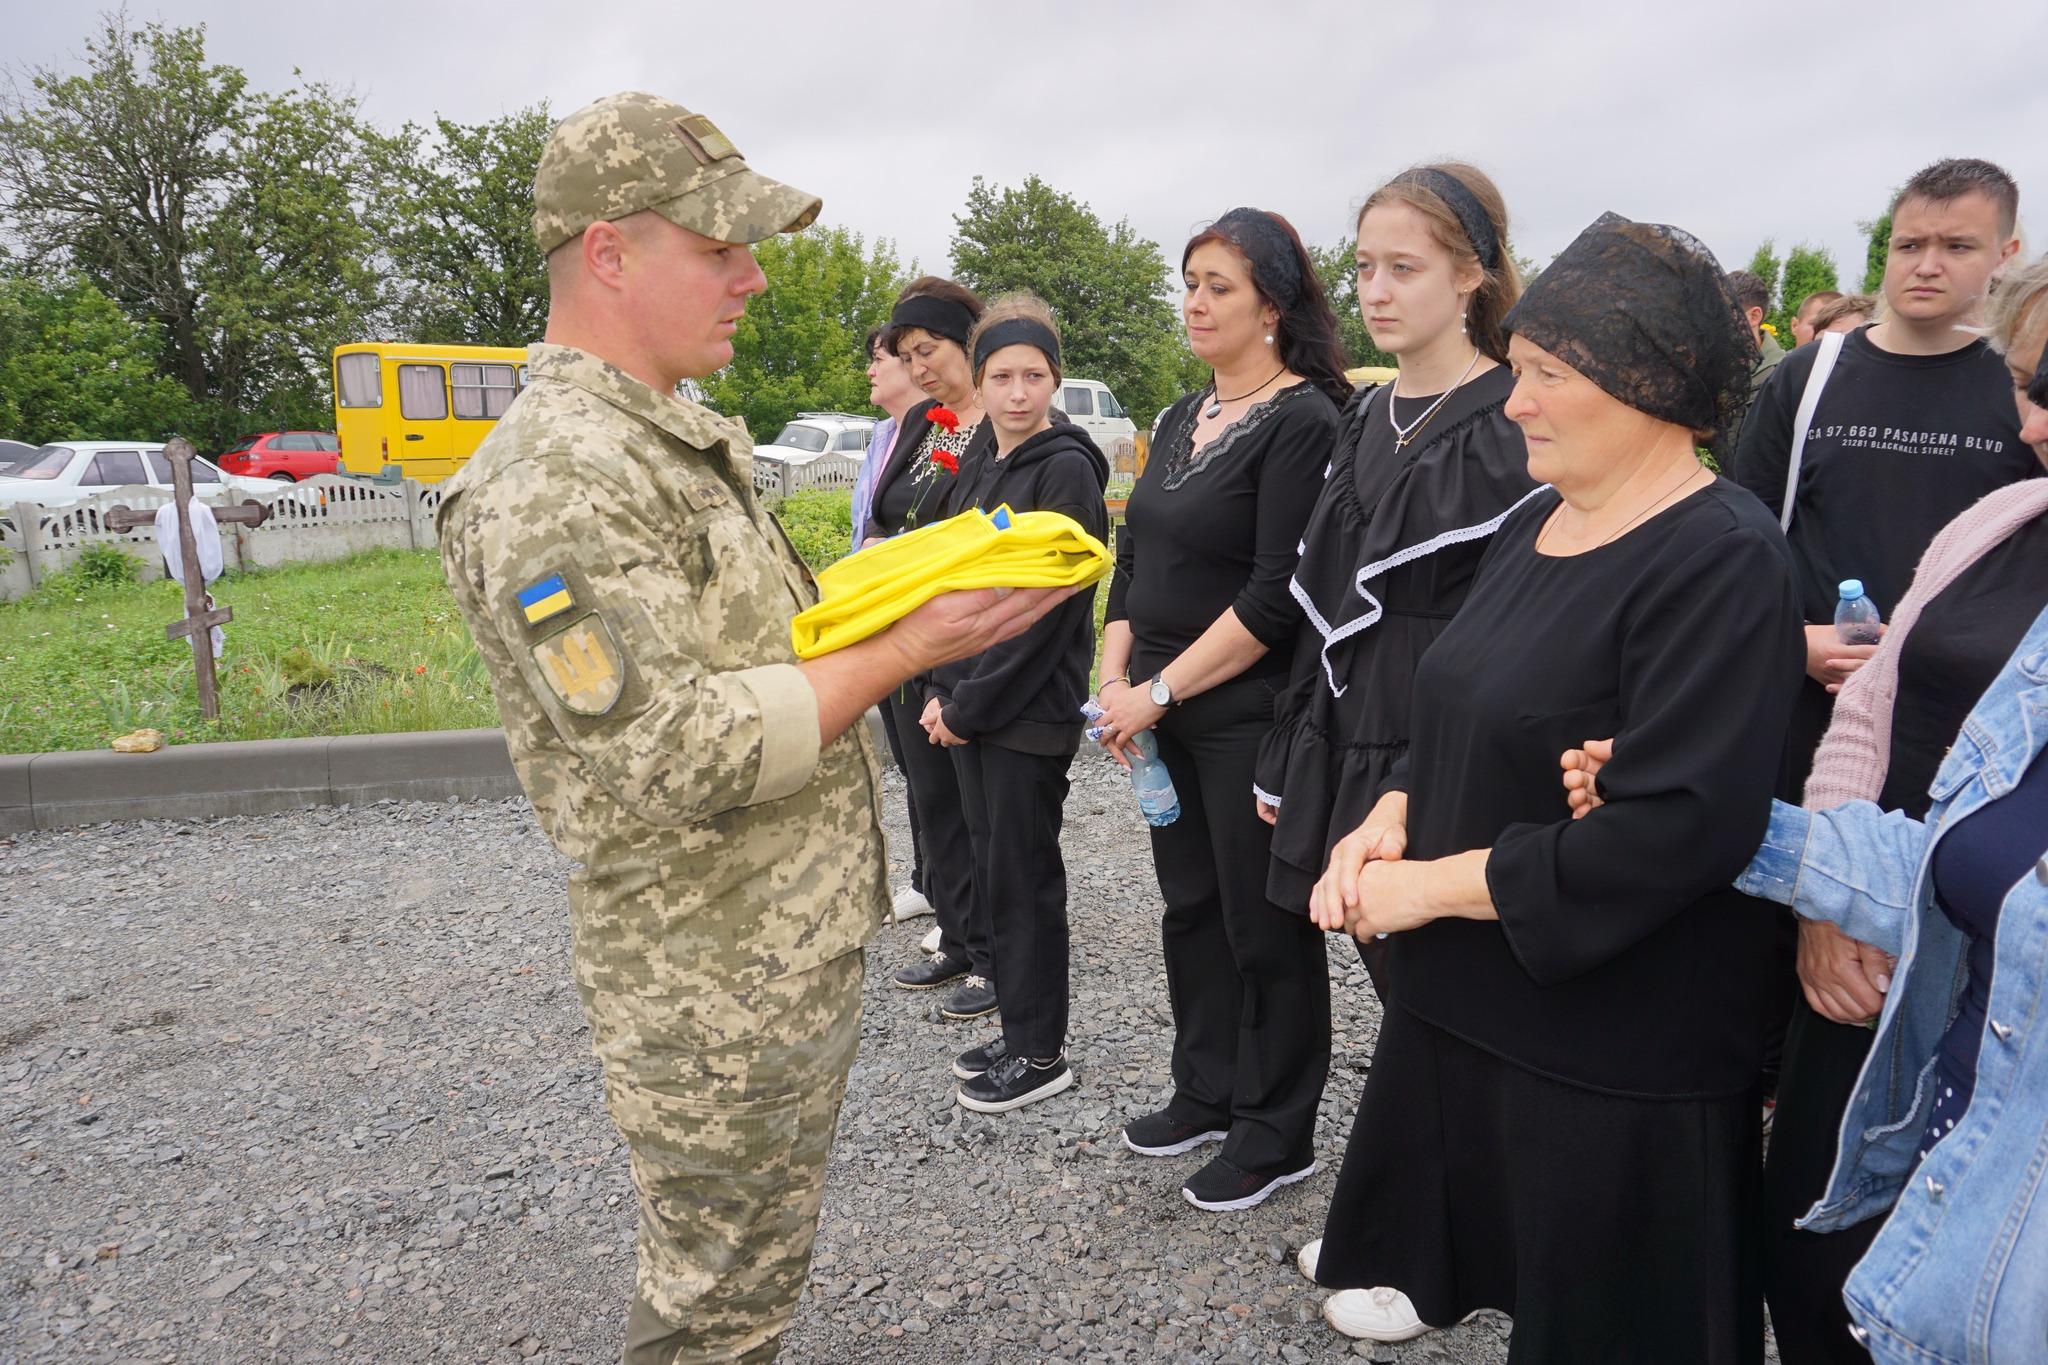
x,y
1017,385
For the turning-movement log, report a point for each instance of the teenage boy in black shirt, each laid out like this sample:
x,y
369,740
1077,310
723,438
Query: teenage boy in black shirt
x,y
1915,424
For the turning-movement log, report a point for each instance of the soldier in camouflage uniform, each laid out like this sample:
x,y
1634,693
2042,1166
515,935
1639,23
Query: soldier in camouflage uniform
x,y
632,600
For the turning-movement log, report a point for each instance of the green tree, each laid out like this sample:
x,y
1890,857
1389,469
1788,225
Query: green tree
x,y
1766,267
1808,270
454,210
1103,283
798,347
226,217
1337,271
1877,251
73,366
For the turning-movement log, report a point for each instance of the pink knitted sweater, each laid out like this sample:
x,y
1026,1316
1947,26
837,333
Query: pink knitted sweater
x,y
1850,764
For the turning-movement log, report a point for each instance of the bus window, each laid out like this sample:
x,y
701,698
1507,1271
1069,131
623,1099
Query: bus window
x,y
358,379
422,395
482,391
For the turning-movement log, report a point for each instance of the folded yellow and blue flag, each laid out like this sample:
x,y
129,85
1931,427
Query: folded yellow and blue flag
x,y
866,592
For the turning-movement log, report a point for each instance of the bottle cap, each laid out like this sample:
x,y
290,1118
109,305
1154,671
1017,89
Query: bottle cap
x,y
1851,589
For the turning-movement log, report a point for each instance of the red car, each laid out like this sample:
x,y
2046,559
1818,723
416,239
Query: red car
x,y
285,455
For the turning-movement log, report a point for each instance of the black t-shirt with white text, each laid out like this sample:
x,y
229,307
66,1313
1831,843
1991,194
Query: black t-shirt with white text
x,y
1900,446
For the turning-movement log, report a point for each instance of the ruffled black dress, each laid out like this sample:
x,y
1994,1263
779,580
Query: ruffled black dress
x,y
1408,527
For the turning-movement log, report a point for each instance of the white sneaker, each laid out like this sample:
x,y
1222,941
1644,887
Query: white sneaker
x,y
1307,1257
1380,1314
930,942
909,904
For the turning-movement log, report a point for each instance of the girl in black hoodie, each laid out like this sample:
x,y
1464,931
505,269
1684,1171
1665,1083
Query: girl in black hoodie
x,y
1011,717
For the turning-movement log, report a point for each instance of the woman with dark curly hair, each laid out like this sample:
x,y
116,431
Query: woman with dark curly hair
x,y
1561,1117
1195,647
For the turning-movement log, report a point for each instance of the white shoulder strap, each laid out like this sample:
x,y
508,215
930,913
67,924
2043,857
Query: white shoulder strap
x,y
1830,345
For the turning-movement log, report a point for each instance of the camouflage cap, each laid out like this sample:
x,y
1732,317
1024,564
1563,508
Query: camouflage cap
x,y
634,151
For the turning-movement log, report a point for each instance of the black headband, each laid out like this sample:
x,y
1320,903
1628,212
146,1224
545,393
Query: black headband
x,y
2037,392
1015,332
1265,244
1465,205
940,317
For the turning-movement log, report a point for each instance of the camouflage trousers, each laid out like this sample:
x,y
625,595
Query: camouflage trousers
x,y
727,1104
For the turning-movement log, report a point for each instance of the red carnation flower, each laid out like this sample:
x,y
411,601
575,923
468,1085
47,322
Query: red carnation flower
x,y
945,417
946,460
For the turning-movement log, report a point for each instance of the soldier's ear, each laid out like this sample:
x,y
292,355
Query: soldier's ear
x,y
605,249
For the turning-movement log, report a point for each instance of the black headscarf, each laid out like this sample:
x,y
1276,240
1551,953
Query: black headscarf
x,y
1646,312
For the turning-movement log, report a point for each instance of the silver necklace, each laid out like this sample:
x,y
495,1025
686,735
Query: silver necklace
x,y
1217,406
1403,435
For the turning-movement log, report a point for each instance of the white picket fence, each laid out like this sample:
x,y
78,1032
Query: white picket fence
x,y
773,479
318,519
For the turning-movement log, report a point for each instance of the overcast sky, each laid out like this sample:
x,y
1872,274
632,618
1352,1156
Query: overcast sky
x,y
1739,120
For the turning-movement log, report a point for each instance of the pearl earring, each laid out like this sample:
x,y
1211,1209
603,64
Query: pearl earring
x,y
1269,338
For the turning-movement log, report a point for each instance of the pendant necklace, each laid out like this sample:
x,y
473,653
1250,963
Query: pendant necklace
x,y
1217,406
1403,435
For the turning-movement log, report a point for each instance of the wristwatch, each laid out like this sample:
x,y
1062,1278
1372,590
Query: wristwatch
x,y
1162,695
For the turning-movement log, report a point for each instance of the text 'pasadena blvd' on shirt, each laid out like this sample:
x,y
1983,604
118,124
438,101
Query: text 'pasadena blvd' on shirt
x,y
1899,446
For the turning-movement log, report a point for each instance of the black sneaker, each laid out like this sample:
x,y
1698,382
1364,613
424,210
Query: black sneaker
x,y
1013,1083
1162,1134
934,972
1221,1187
971,999
977,1060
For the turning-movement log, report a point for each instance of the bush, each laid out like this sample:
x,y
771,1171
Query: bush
x,y
97,566
820,524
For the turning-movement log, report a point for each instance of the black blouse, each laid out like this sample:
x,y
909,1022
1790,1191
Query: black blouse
x,y
1417,518
1622,961
910,490
1219,528
1963,638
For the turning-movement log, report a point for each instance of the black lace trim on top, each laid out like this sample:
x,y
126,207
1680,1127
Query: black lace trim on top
x,y
1183,461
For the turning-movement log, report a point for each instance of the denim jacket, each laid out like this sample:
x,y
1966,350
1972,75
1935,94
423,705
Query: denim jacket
x,y
1960,1271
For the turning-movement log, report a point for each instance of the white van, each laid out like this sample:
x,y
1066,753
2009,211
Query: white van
x,y
1094,409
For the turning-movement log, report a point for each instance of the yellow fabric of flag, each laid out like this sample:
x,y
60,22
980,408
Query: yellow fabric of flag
x,y
866,592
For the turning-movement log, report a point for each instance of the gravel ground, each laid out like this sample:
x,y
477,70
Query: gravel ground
x,y
316,1087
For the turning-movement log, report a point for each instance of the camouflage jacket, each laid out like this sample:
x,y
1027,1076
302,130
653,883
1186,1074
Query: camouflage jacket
x,y
632,599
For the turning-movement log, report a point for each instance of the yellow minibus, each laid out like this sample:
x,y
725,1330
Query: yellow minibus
x,y
422,408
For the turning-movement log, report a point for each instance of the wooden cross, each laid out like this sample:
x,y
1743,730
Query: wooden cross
x,y
199,619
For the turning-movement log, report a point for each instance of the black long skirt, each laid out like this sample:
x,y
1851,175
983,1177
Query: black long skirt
x,y
1610,1229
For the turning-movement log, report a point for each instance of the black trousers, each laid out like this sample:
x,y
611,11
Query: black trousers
x,y
1014,803
909,804
1249,984
941,832
1804,1271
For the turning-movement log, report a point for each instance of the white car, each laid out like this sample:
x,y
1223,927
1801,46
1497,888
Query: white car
x,y
72,471
812,434
1090,406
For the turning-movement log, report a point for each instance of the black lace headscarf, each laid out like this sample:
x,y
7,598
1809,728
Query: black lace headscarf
x,y
1646,312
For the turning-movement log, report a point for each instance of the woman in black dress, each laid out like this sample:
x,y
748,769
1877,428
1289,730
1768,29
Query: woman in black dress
x,y
928,328
1423,473
1560,1121
1199,617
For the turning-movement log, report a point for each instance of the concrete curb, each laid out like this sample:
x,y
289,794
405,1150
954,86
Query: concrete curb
x,y
260,777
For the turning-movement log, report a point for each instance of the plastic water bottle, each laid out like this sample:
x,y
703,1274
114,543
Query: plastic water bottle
x,y
1856,620
1157,800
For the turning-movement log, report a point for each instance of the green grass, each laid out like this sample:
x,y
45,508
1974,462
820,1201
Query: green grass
x,y
374,643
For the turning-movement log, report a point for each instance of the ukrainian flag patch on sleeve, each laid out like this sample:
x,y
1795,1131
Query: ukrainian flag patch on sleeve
x,y
549,597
